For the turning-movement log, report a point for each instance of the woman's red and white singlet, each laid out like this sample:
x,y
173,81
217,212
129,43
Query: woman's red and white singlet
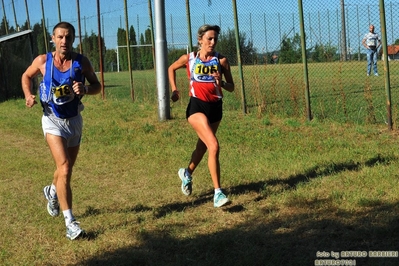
x,y
202,85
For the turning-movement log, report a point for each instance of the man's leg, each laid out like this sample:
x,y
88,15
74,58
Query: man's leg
x,y
375,62
369,60
64,159
63,172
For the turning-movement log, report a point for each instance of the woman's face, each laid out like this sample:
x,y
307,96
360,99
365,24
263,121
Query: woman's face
x,y
208,41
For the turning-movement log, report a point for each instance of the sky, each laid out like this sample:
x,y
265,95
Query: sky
x,y
264,22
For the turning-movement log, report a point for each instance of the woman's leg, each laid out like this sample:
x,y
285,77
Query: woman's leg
x,y
207,142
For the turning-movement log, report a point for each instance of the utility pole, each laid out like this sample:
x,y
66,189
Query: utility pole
x,y
4,17
343,32
161,61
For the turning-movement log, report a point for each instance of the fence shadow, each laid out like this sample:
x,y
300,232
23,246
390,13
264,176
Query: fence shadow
x,y
309,234
271,243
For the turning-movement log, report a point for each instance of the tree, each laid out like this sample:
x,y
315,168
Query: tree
x,y
85,45
3,30
110,60
141,53
39,47
134,51
290,51
174,53
91,49
148,49
146,61
121,41
248,52
227,47
25,26
324,53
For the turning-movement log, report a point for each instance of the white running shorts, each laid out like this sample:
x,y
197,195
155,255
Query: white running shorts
x,y
70,128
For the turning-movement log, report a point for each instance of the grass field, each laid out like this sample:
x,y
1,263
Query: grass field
x,y
300,189
337,91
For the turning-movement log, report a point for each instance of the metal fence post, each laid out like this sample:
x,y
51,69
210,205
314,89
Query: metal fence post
x,y
386,64
190,41
129,58
304,61
162,61
244,102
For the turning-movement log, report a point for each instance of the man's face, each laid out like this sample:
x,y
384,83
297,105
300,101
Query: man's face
x,y
371,28
63,40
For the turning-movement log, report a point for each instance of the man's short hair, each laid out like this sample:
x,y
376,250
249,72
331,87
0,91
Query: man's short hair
x,y
65,25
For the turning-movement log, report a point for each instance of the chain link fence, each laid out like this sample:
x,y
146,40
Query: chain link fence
x,y
339,85
274,80
13,64
271,75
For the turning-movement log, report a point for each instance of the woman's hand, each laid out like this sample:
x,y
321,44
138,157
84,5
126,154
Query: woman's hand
x,y
175,95
218,78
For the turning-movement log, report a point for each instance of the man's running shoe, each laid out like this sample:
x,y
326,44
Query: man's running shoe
x,y
53,207
73,230
220,199
186,181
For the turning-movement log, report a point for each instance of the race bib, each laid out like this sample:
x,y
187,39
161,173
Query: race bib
x,y
202,72
62,94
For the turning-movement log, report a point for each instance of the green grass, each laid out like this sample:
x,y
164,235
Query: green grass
x,y
297,188
338,91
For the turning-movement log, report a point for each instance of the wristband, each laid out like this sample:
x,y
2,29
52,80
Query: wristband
x,y
222,84
86,89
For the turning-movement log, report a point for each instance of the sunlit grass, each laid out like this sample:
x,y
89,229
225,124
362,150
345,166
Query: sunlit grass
x,y
297,187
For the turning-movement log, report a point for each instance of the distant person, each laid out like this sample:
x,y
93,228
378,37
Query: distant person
x,y
61,90
205,68
371,42
274,59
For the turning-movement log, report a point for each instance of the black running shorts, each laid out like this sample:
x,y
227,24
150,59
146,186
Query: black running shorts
x,y
212,110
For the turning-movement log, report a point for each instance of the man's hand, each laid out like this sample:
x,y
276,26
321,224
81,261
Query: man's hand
x,y
78,88
30,101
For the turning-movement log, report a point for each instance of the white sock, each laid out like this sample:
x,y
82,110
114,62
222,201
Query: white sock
x,y
53,191
217,190
68,216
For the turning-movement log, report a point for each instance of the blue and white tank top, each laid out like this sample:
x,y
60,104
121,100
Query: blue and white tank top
x,y
56,94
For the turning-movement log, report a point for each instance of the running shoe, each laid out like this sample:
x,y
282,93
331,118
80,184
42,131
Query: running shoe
x,y
53,207
186,181
73,230
220,199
